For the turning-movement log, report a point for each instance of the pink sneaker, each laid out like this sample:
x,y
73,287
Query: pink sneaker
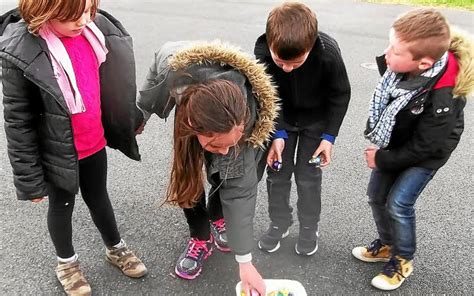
x,y
190,263
218,232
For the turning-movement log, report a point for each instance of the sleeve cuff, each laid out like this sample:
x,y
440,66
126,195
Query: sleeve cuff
x,y
244,258
280,134
329,138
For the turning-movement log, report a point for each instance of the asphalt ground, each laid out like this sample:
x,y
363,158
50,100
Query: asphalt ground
x,y
158,234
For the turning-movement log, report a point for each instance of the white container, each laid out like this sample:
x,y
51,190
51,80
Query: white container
x,y
294,287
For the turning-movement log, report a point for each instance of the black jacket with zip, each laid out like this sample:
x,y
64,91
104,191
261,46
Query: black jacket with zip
x,y
429,128
316,92
37,120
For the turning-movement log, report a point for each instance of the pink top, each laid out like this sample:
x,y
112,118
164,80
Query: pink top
x,y
87,126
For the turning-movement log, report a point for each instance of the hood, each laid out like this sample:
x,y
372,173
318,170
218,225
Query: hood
x,y
262,85
462,46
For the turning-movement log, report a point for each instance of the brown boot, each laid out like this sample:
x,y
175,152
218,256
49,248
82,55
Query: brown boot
x,y
126,261
72,279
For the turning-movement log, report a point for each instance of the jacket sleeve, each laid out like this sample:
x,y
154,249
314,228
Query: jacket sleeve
x,y
238,197
430,137
338,92
155,93
21,118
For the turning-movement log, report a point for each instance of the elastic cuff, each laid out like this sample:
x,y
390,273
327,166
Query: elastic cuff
x,y
329,138
244,258
280,134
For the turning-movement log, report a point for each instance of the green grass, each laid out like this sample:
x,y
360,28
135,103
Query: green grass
x,y
466,4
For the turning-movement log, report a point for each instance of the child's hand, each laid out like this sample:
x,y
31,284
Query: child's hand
x,y
325,149
38,199
275,151
251,279
140,128
369,153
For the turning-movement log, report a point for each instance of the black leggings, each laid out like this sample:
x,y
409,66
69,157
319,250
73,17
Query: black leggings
x,y
198,217
93,185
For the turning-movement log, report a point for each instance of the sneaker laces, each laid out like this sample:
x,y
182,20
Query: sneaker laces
x,y
196,247
375,246
219,225
391,267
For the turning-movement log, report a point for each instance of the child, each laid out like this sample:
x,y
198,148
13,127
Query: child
x,y
415,122
225,111
60,112
312,82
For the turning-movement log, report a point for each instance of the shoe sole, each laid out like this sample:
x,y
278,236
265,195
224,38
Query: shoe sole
x,y
285,234
357,253
391,288
191,277
135,276
185,275
305,254
220,248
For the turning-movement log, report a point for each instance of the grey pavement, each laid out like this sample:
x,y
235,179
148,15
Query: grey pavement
x,y
443,263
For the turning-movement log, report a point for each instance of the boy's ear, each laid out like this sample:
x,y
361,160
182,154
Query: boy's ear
x,y
426,63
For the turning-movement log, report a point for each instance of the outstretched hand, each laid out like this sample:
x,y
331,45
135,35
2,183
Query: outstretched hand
x,y
251,279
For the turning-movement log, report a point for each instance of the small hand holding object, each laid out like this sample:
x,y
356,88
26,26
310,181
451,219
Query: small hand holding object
x,y
324,153
274,159
252,281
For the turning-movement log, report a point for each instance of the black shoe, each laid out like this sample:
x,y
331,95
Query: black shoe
x,y
270,241
307,241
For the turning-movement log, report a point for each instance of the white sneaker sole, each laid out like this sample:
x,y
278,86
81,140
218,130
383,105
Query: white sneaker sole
x,y
285,234
359,251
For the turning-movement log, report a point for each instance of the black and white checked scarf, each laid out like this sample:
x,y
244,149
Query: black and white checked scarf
x,y
382,113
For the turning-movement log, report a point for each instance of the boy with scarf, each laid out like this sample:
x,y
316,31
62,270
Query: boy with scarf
x,y
415,122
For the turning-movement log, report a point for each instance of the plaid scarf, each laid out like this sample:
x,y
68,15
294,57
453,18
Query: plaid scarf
x,y
382,111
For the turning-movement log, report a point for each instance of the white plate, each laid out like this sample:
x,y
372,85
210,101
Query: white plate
x,y
294,287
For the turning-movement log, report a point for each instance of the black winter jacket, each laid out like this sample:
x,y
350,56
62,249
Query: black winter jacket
x,y
316,92
429,128
37,120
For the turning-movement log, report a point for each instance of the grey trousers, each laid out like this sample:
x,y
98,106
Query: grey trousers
x,y
301,144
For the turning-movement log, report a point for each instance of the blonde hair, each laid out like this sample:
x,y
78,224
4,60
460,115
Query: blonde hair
x,y
37,12
426,31
291,30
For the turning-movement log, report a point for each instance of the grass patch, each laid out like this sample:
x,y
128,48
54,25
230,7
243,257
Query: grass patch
x,y
465,4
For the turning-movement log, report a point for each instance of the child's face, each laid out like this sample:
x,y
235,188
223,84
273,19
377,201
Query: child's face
x,y
221,143
398,57
73,28
289,65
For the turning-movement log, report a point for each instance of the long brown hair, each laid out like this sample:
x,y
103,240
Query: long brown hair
x,y
214,106
37,12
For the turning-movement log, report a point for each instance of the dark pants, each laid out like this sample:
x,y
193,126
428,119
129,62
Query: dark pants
x,y
199,216
302,143
392,197
93,185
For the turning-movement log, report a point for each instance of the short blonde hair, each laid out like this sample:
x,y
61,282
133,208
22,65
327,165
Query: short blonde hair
x,y
425,30
291,30
37,12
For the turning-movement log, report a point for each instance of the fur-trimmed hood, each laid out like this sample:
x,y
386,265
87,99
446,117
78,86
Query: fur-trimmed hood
x,y
204,61
462,46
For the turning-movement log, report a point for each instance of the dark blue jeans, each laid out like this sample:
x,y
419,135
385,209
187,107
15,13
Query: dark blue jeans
x,y
392,197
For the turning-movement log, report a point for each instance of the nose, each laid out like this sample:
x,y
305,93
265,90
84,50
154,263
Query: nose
x,y
287,68
223,151
83,20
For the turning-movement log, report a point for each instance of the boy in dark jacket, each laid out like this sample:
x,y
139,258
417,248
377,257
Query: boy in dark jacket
x,y
415,122
309,72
